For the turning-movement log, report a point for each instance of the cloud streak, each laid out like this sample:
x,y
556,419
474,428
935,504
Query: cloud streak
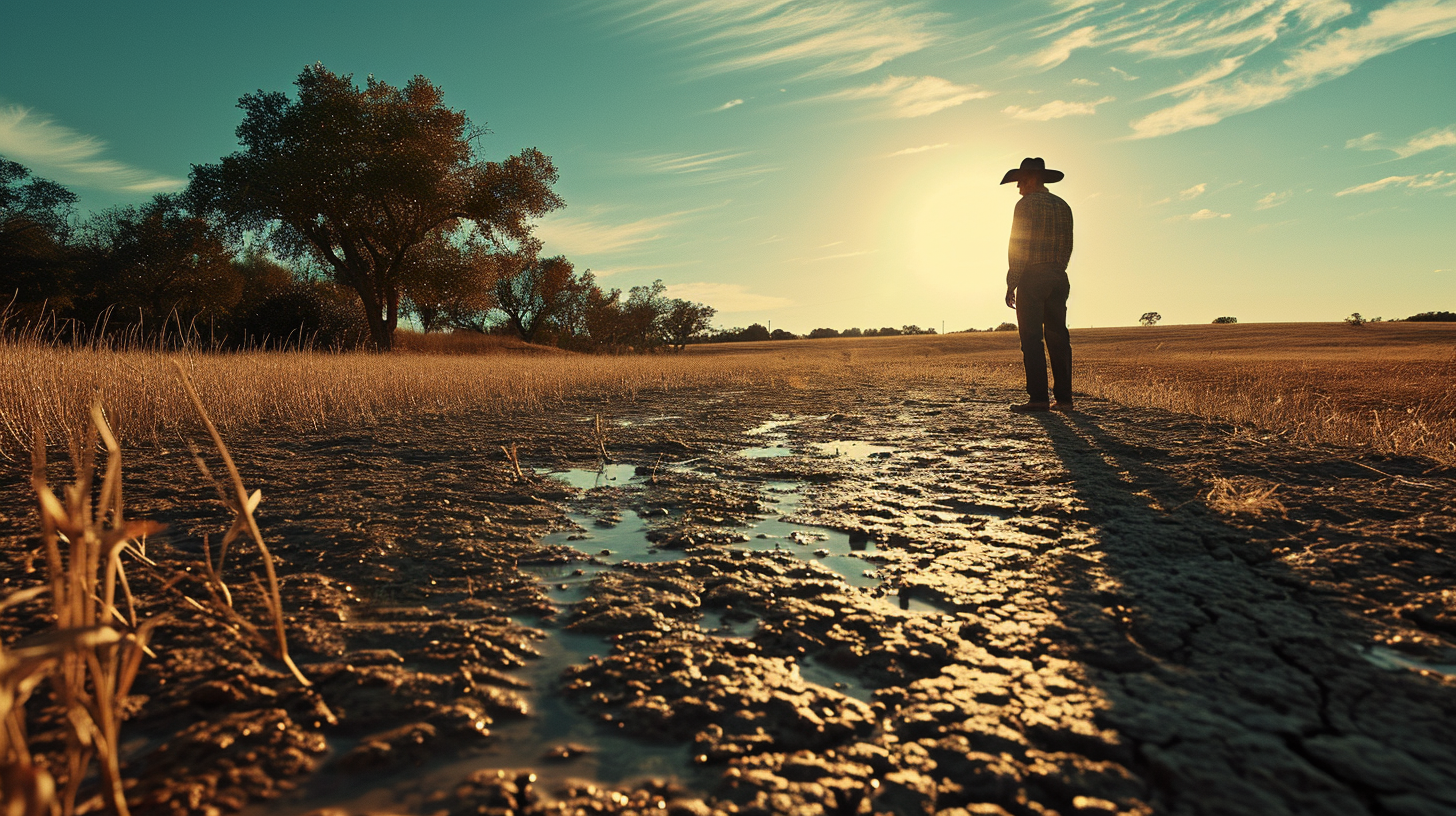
x,y
837,39
1324,58
1056,109
725,297
1419,143
705,168
1438,180
592,236
913,97
56,151
910,151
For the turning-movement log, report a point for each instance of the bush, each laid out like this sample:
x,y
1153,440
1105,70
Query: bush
x,y
1225,320
1433,317
1005,327
818,333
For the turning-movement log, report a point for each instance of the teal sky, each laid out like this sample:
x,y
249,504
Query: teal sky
x,y
836,163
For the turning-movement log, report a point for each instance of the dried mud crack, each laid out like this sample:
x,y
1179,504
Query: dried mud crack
x,y
840,599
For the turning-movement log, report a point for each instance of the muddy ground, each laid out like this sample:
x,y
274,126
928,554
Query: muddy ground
x,y
839,599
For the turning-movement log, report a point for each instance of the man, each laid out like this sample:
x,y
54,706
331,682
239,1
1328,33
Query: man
x,y
1036,284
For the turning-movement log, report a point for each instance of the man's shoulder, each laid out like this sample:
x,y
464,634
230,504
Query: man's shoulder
x,y
1052,198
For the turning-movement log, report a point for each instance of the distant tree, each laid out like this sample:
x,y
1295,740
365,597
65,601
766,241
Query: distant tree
x,y
817,334
780,334
1005,327
42,202
1225,320
279,307
685,321
35,262
449,281
1355,319
353,179
1150,318
531,291
643,313
871,333
754,332
1433,317
889,331
911,329
155,262
851,332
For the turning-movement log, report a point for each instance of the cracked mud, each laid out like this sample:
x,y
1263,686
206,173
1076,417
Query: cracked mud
x,y
842,600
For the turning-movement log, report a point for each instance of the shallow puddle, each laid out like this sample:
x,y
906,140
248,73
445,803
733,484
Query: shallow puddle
x,y
767,452
606,476
1391,660
852,449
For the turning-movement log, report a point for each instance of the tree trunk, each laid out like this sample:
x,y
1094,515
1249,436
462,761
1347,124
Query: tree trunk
x,y
381,334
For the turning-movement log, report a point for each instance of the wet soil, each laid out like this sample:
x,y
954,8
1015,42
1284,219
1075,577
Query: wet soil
x,y
853,598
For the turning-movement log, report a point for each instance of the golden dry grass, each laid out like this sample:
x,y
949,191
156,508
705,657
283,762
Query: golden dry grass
x,y
1388,387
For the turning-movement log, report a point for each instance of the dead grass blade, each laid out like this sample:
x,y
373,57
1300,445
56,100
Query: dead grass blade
x,y
1243,495
243,506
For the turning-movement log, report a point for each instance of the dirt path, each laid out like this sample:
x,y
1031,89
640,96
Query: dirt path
x,y
952,610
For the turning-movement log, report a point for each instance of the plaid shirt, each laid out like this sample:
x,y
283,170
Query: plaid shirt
x,y
1041,234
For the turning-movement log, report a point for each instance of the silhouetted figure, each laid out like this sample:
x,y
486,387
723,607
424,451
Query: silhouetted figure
x,y
1037,286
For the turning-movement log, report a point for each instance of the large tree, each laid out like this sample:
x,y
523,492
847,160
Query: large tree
x,y
353,179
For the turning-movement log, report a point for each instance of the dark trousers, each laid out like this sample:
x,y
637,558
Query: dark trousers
x,y
1041,312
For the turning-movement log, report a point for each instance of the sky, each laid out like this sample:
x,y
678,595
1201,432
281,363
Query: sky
x,y
835,163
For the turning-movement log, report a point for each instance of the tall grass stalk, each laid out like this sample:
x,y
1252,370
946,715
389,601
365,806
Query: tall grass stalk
x,y
101,649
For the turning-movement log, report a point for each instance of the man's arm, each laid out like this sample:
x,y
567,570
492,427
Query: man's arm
x,y
1016,251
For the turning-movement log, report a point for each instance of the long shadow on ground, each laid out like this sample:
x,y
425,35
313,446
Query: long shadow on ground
x,y
1240,689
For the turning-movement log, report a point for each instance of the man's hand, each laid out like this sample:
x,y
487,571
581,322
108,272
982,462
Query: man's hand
x,y
1011,297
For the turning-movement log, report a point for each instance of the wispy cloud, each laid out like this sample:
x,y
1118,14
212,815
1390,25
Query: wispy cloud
x,y
1438,180
58,152
575,235
1419,143
1061,50
1370,141
1325,57
1086,83
1204,214
705,168
1125,75
834,39
732,103
725,297
1193,192
911,97
1271,200
1217,71
1055,109
913,150
836,255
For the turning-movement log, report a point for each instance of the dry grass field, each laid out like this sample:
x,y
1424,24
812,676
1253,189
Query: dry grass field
x,y
1388,387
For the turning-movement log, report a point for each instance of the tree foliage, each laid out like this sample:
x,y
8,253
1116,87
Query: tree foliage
x,y
1150,318
1225,320
35,224
532,291
354,179
156,262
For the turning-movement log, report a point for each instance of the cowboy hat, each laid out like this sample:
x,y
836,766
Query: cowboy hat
x,y
1029,165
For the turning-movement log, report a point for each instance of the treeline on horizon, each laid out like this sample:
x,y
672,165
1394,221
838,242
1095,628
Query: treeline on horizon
x,y
346,210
